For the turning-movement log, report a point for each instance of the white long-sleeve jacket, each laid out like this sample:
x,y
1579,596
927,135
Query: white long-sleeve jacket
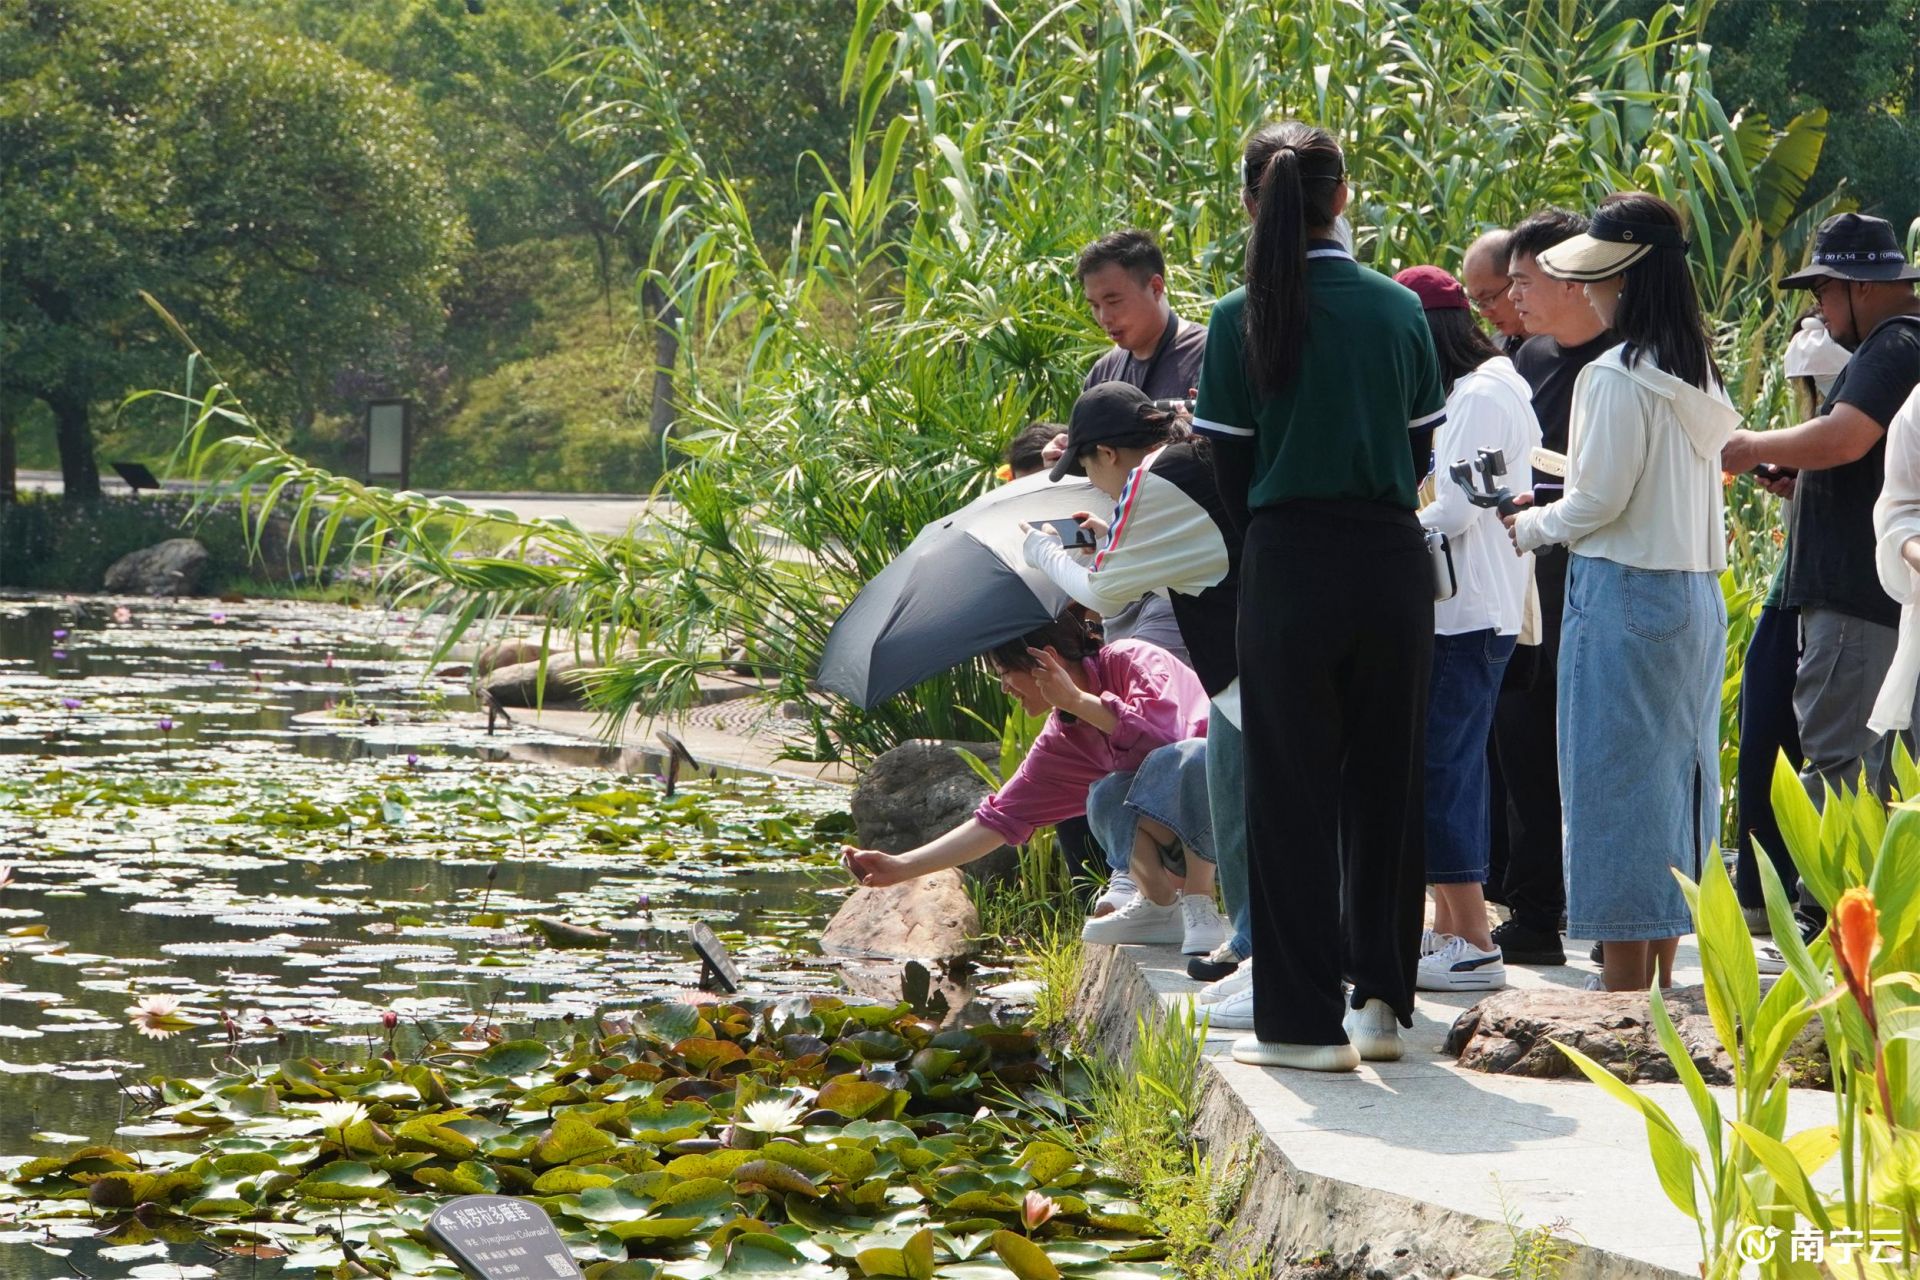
x,y
1643,471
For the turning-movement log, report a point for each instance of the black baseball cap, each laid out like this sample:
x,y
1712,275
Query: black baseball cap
x,y
1853,246
1105,412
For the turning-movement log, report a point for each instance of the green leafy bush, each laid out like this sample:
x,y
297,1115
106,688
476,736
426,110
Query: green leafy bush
x,y
49,545
1751,1188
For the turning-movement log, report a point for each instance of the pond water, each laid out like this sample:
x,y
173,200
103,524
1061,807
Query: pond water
x,y
265,831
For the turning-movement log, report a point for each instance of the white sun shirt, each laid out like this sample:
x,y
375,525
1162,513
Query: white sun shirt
x,y
1490,408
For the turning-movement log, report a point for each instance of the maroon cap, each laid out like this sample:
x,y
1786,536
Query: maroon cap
x,y
1438,291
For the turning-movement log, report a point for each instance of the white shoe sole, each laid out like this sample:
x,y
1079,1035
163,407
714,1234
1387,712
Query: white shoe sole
x,y
1476,981
1165,937
1300,1057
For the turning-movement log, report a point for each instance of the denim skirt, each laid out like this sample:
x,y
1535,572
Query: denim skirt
x,y
1642,658
1170,786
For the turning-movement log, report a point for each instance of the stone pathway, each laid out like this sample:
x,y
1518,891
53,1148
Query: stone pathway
x,y
1371,1154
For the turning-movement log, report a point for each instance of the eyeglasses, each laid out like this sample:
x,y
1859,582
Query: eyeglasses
x,y
1486,301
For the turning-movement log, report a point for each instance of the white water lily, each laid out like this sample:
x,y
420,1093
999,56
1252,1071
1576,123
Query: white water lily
x,y
154,1007
158,1017
772,1115
339,1116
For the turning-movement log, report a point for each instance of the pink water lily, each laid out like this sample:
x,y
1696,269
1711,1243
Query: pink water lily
x,y
123,614
1037,1210
6,874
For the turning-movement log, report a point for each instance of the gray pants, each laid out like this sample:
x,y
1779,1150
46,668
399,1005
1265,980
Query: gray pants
x,y
1843,661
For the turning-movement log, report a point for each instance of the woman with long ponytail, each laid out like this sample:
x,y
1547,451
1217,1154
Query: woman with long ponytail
x,y
1320,391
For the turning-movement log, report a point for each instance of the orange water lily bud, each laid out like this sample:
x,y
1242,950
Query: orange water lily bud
x,y
1855,930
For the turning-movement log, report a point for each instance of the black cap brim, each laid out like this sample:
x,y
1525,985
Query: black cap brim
x,y
1865,273
1069,465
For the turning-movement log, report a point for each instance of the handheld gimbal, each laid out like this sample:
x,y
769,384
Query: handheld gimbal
x,y
1491,464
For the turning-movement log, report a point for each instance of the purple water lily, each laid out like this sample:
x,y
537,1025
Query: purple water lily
x,y
60,633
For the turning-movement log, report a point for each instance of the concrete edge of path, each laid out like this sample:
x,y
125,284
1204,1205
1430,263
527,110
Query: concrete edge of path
x,y
1311,1219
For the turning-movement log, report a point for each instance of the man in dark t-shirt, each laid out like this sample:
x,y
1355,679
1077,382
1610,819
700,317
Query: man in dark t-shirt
x,y
1864,290
1123,275
1124,278
1567,337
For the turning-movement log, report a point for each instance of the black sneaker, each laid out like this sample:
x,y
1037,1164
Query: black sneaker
x,y
1599,953
1218,963
1522,945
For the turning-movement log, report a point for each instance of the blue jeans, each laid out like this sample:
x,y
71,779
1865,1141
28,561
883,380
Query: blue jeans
x,y
1466,682
1227,795
1171,788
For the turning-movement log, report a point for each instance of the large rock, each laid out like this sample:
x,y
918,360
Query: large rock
x,y
170,568
518,685
1514,1033
927,918
506,653
920,790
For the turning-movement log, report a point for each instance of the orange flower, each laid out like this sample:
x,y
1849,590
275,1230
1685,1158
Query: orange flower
x,y
1726,479
1855,931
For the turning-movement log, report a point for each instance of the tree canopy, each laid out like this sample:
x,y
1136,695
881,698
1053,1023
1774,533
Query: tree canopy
x,y
287,205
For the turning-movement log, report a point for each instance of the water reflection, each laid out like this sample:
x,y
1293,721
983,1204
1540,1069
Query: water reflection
x,y
324,836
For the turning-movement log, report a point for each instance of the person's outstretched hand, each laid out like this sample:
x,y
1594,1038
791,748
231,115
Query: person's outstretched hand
x,y
872,868
1051,451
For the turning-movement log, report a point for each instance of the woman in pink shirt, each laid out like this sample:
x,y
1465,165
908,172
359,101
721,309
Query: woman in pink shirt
x,y
1114,707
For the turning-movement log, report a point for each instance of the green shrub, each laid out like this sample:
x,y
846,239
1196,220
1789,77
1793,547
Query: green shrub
x,y
50,545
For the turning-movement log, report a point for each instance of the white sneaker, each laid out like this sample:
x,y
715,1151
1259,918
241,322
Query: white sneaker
x,y
1233,984
1202,926
1141,921
1432,940
1461,966
1759,924
1594,983
1120,891
1374,1032
1301,1057
1770,958
1235,1013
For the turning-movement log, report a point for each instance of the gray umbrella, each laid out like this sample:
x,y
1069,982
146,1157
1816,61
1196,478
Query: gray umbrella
x,y
960,588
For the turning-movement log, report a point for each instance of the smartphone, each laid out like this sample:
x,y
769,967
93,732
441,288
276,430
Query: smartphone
x,y
1073,534
1773,473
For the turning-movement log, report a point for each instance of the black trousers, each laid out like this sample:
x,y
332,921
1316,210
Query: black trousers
x,y
1336,643
1526,798
1086,861
1767,727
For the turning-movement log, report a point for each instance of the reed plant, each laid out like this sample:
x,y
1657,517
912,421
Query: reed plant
x,y
925,310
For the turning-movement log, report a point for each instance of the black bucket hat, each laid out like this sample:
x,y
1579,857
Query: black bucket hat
x,y
1105,412
1853,246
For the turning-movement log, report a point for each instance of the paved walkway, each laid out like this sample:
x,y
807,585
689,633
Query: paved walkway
x,y
1556,1153
599,513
